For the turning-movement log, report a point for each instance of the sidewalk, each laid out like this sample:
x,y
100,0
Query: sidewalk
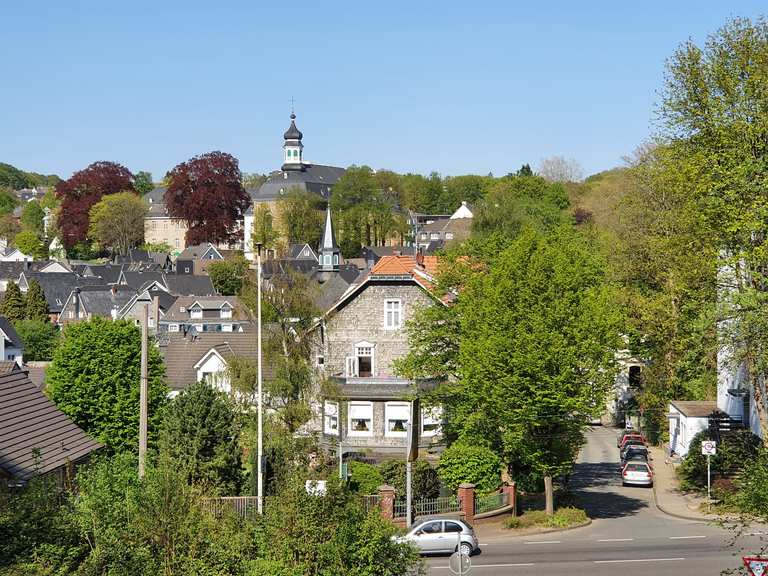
x,y
665,490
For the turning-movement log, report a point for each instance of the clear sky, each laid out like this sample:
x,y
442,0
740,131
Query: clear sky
x,y
455,87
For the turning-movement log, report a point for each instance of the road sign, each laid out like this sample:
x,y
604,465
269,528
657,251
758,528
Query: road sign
x,y
757,566
709,447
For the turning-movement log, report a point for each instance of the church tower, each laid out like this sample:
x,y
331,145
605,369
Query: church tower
x,y
292,147
329,253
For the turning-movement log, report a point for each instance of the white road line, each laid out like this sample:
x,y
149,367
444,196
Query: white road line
x,y
616,540
685,537
637,560
487,566
543,542
754,533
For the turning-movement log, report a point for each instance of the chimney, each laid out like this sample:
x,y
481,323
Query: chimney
x,y
77,303
420,259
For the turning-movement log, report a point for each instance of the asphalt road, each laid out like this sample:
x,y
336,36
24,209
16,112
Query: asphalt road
x,y
628,535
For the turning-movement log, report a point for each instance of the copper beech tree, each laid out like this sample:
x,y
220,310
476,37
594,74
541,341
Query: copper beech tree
x,y
207,193
84,189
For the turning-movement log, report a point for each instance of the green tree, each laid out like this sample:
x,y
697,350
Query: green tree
x,y
13,305
425,482
142,181
200,434
49,200
366,478
30,244
8,200
117,221
36,304
478,465
161,247
9,227
94,379
39,338
32,217
263,231
301,216
227,276
11,177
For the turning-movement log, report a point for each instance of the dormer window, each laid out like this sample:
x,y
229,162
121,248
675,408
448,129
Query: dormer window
x,y
226,312
196,312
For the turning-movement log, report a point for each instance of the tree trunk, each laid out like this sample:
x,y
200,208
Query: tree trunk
x,y
549,495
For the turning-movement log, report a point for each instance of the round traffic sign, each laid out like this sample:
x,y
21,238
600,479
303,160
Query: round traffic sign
x,y
459,563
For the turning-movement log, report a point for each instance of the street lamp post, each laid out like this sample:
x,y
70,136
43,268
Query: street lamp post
x,y
260,417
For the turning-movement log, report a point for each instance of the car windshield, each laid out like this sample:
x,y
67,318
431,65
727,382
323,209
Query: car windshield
x,y
636,468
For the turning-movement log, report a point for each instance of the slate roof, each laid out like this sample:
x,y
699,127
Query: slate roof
x,y
57,286
8,366
108,272
174,313
196,252
12,270
101,300
182,353
10,332
316,178
295,252
36,437
189,285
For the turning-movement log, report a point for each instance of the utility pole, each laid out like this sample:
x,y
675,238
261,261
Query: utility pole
x,y
260,417
143,393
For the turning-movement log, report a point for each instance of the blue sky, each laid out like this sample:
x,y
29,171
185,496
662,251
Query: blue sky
x,y
456,87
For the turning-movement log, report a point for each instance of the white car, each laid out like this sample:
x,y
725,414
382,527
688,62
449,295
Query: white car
x,y
637,474
442,536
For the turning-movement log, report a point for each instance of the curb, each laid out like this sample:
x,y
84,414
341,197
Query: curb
x,y
509,534
675,514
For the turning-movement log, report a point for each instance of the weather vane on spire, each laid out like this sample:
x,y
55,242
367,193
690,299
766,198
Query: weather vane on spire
x,y
292,111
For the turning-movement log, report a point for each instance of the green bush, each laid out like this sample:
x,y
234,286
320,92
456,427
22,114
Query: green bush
x,y
476,464
562,518
734,450
752,497
366,478
425,481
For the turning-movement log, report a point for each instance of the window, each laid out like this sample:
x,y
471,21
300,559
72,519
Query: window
x,y
11,357
393,314
360,418
327,260
182,309
424,235
396,415
70,314
431,418
176,243
226,312
364,356
331,418
432,528
320,360
173,327
452,527
434,236
226,327
151,322
196,312
449,235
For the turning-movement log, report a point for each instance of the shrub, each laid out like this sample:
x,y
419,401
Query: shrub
x,y
753,494
476,464
425,482
366,478
733,451
562,518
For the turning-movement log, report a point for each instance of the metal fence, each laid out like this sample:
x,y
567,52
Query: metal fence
x,y
244,506
370,502
428,506
490,502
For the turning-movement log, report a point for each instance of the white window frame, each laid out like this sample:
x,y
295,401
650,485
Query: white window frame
x,y
365,349
196,313
331,418
397,310
392,409
173,327
226,327
358,408
226,312
432,417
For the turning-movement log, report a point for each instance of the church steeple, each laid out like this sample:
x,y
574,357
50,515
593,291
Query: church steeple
x,y
329,252
292,147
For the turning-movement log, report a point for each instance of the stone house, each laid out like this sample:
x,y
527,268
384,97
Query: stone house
x,y
367,405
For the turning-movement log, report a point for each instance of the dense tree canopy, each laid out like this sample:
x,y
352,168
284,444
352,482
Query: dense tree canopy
x,y
94,379
13,306
227,276
32,217
143,182
31,244
208,194
117,222
301,217
8,200
84,189
39,338
35,302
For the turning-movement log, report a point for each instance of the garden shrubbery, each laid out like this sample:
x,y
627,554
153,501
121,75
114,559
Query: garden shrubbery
x,y
465,463
562,518
366,478
734,451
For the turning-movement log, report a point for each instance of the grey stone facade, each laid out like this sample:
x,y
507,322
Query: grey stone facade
x,y
361,321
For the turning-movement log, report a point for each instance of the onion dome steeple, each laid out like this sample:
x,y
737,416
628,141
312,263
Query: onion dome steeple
x,y
292,147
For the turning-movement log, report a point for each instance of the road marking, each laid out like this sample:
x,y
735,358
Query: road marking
x,y
616,540
685,537
487,566
637,560
543,542
754,533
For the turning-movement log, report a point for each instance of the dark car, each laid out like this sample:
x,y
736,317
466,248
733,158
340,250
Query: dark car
x,y
634,455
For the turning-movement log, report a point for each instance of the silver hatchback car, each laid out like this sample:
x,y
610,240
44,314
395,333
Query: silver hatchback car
x,y
442,536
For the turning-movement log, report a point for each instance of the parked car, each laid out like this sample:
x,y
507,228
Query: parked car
x,y
631,442
634,456
631,447
637,474
442,536
630,435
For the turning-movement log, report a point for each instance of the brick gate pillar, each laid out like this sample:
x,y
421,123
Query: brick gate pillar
x,y
387,501
466,495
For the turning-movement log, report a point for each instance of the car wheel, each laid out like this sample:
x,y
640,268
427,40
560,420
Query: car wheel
x,y
466,549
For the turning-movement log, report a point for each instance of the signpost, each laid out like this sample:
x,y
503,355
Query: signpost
x,y
756,565
709,449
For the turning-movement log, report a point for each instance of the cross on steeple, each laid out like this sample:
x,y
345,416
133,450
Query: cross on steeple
x,y
292,103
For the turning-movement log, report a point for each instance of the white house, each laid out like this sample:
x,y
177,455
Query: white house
x,y
11,347
462,211
686,419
